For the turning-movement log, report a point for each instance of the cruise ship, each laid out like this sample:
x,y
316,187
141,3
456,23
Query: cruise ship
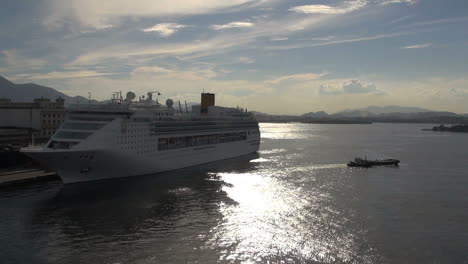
x,y
129,137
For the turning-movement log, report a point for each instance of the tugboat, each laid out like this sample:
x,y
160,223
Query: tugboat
x,y
359,162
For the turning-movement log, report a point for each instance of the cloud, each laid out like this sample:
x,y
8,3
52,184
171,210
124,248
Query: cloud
x,y
279,38
186,50
92,13
329,90
325,9
401,19
418,46
165,29
124,52
246,60
356,86
388,2
172,82
439,21
459,92
208,45
60,75
235,24
296,77
350,87
338,41
441,93
14,60
174,74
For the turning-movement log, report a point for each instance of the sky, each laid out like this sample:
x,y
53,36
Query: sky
x,y
273,56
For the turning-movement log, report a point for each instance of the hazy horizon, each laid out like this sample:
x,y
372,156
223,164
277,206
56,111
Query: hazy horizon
x,y
280,57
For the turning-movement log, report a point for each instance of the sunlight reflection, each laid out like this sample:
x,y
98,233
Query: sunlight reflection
x,y
272,151
259,160
288,131
272,217
288,209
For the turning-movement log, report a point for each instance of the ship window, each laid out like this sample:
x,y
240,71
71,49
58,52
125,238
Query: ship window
x,y
84,126
190,141
61,145
91,118
74,135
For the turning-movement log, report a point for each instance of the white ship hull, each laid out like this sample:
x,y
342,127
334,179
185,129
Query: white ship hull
x,y
125,139
72,167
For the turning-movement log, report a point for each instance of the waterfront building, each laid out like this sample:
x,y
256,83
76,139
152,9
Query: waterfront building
x,y
40,118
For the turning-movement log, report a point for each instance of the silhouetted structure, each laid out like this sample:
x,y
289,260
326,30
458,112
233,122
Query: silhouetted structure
x,y
456,128
20,120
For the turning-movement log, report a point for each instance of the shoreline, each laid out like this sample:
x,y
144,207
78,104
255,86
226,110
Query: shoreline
x,y
26,176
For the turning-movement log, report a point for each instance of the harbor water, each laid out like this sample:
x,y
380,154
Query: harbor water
x,y
295,201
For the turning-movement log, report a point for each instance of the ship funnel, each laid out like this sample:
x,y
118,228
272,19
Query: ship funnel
x,y
207,99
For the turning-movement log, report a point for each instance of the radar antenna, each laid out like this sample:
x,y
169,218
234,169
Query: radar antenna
x,y
150,95
130,96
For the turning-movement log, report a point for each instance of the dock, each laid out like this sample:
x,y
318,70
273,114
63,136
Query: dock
x,y
24,176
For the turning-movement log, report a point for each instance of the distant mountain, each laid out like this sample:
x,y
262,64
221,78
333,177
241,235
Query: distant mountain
x,y
319,114
259,113
371,111
5,84
395,109
29,91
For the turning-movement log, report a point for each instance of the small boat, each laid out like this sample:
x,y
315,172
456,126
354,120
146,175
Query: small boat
x,y
358,162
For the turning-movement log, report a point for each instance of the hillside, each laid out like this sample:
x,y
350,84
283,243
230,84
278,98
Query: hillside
x,y
381,110
28,91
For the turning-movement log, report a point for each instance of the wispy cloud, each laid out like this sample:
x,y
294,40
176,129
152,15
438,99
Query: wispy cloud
x,y
279,38
60,75
296,77
221,43
418,46
15,60
351,87
119,52
235,24
175,74
337,41
410,2
107,12
246,60
325,9
401,19
439,21
165,29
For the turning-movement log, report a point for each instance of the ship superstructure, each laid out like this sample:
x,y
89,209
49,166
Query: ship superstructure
x,y
128,138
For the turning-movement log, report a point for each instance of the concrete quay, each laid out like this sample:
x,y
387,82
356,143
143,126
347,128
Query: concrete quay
x,y
8,178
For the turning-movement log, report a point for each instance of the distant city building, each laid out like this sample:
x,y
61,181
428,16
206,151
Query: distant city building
x,y
41,118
